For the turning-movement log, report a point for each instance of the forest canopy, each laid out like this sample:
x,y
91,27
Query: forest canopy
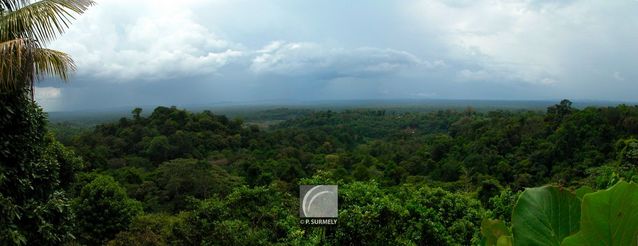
x,y
407,177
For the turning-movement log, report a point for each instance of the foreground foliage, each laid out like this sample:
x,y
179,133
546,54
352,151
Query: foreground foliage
x,y
545,216
554,216
608,217
34,168
34,171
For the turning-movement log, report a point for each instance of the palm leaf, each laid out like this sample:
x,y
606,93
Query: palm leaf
x,y
17,65
11,5
41,21
24,28
23,61
52,63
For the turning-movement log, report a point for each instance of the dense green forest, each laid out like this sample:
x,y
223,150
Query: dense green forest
x,y
191,178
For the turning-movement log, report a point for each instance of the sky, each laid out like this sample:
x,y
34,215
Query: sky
x,y
199,52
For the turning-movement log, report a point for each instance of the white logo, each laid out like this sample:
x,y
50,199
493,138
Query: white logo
x,y
318,201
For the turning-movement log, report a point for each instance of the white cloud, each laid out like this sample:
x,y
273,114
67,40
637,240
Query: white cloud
x,y
469,75
618,76
306,58
538,42
548,81
156,41
424,94
48,97
47,93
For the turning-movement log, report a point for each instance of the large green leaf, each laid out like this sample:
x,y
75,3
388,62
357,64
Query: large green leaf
x,y
582,191
504,241
492,230
609,217
544,216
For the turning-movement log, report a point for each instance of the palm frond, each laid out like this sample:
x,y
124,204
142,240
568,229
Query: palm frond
x,y
11,5
41,21
17,68
24,61
53,63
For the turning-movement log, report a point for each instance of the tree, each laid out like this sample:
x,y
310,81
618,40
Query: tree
x,y
136,113
150,229
556,114
159,149
406,215
629,153
488,189
103,209
247,216
33,168
180,179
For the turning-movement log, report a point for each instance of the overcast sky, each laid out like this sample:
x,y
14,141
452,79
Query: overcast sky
x,y
152,52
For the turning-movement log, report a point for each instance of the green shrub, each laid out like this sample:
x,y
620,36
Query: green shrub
x,y
103,209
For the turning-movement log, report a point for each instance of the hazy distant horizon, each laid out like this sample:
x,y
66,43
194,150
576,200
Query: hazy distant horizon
x,y
360,103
